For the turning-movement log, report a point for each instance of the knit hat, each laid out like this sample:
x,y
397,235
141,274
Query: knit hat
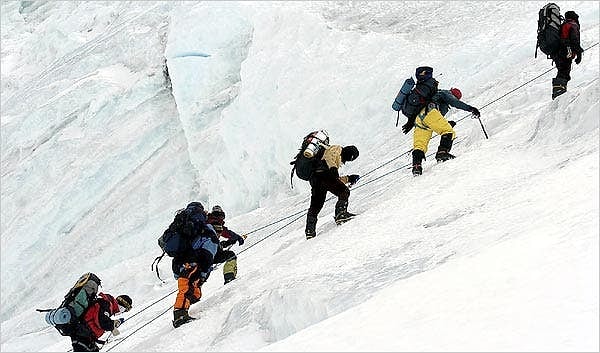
x,y
571,15
217,211
456,93
349,153
195,206
125,301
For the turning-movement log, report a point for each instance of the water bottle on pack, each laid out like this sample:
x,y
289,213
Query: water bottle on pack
x,y
315,141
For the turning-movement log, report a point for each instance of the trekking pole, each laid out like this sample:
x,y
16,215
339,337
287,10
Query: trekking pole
x,y
482,128
398,118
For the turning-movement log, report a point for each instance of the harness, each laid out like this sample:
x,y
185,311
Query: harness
x,y
420,120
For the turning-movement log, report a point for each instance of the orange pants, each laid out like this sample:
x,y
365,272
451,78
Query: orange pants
x,y
189,284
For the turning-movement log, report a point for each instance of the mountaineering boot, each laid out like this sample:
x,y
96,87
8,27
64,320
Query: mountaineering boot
x,y
417,169
442,156
341,213
180,317
443,153
228,277
559,86
311,225
418,157
230,270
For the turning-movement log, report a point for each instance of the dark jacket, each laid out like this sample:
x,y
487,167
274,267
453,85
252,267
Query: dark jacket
x,y
444,99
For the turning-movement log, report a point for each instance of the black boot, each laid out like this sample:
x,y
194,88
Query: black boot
x,y
418,157
443,153
228,277
180,317
311,225
341,213
559,86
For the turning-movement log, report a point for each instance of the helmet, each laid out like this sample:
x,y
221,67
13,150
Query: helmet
x,y
456,92
124,302
349,153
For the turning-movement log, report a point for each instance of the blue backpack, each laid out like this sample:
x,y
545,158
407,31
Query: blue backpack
x,y
417,98
408,85
188,226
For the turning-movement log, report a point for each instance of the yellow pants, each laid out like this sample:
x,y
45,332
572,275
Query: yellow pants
x,y
426,124
230,267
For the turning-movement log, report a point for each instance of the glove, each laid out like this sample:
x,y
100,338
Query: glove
x,y
452,123
407,127
240,240
475,112
118,322
352,179
578,58
116,332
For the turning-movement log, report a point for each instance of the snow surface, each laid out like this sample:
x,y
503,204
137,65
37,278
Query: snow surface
x,y
496,250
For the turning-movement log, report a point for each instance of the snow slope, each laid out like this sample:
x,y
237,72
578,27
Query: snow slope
x,y
495,250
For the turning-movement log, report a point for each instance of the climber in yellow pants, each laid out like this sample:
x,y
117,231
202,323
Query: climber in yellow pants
x,y
431,119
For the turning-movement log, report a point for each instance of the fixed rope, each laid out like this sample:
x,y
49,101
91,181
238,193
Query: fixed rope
x,y
302,213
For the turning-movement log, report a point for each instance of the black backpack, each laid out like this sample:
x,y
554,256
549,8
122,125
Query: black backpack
x,y
548,32
419,97
309,158
66,318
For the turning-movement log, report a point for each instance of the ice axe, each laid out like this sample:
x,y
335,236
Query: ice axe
x,y
480,123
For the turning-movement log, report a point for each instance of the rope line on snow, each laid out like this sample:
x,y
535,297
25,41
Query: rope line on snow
x,y
302,213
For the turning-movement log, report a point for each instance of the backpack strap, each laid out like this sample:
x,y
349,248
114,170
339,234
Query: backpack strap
x,y
156,261
294,164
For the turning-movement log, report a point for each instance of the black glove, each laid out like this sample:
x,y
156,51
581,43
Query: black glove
x,y
408,126
352,179
240,240
225,243
118,322
475,112
452,123
578,58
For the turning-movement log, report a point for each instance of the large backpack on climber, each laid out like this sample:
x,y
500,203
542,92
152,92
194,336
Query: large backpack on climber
x,y
309,158
188,224
412,97
548,32
66,318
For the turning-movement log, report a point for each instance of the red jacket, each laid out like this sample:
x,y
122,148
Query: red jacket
x,y
218,224
97,316
569,35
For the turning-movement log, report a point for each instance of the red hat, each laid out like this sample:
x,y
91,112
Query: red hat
x,y
456,93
